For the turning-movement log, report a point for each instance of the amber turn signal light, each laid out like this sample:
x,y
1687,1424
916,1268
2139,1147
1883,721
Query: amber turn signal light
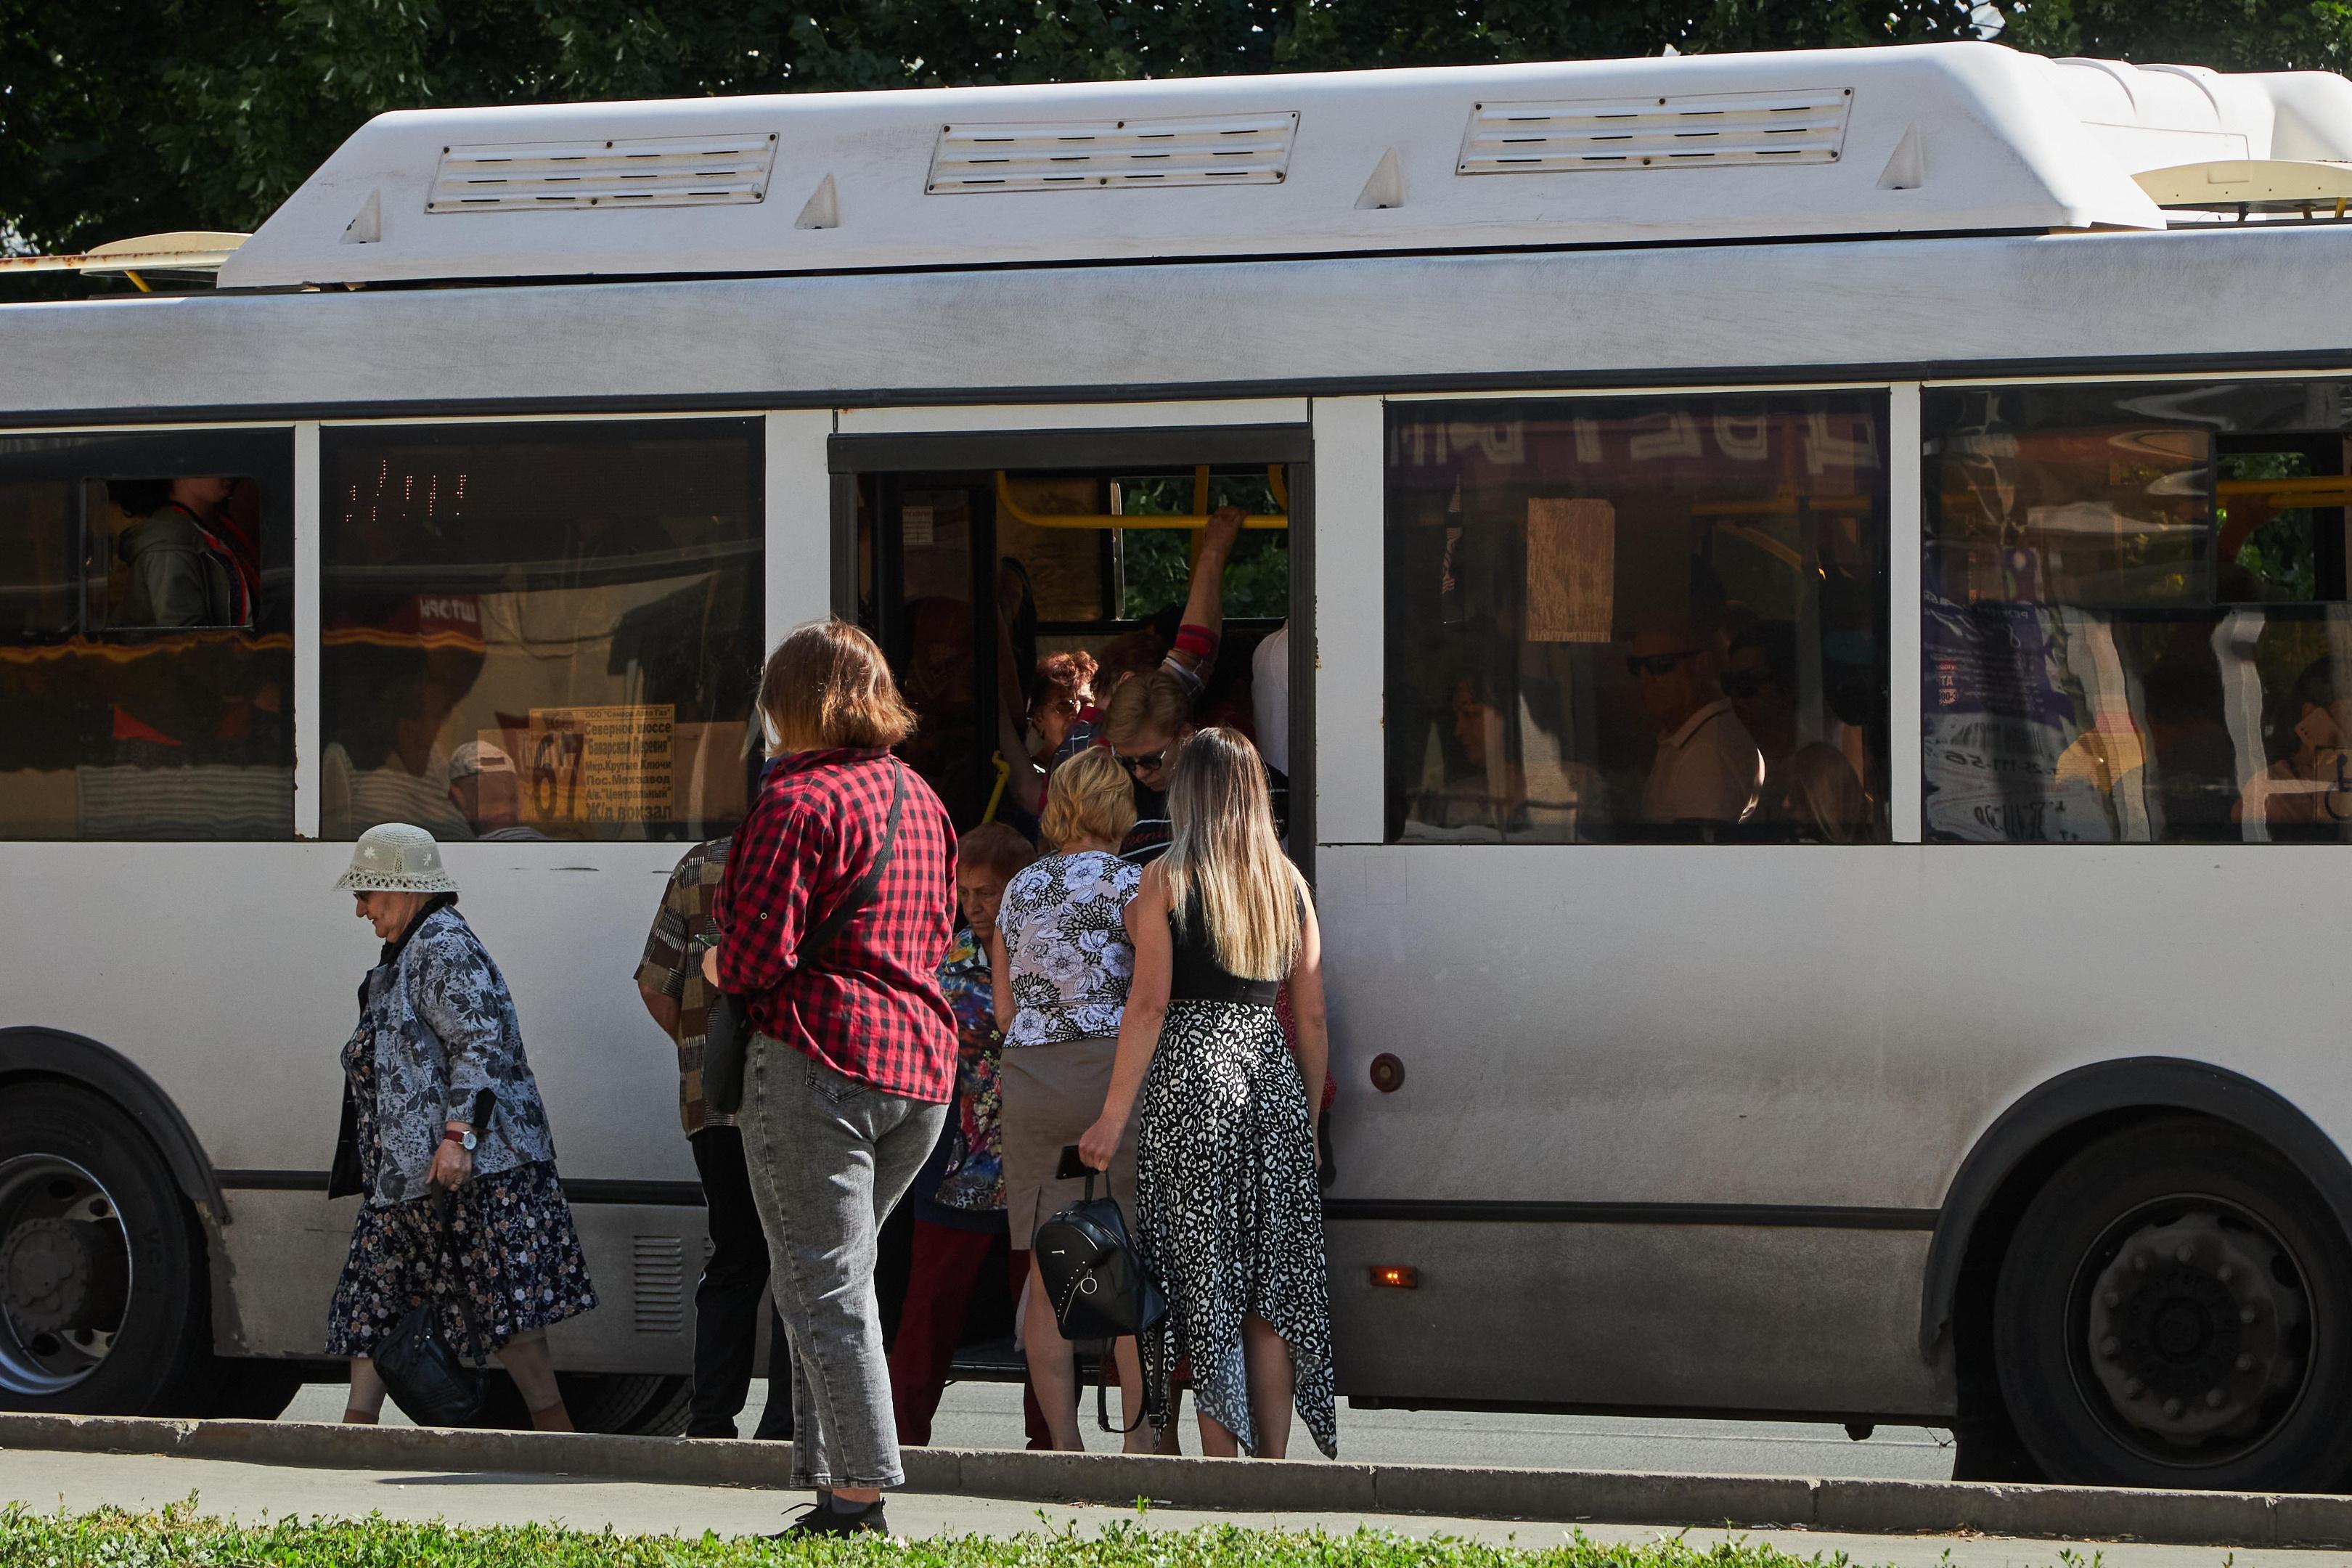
x,y
1396,1275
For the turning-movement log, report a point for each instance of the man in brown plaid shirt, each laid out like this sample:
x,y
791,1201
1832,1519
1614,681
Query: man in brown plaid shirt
x,y
727,1300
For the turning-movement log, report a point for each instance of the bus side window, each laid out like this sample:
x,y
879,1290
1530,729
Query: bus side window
x,y
1638,620
143,692
2134,614
540,630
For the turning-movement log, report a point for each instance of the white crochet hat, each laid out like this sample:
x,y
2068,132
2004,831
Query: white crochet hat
x,y
394,858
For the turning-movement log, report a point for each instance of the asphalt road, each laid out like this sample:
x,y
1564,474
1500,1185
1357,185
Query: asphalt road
x,y
988,1415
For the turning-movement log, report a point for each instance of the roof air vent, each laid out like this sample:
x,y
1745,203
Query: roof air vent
x,y
649,172
1240,150
1806,127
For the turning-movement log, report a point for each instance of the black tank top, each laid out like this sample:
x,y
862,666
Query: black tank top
x,y
1198,977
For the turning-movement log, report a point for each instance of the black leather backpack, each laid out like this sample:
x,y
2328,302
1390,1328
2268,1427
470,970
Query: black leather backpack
x,y
1097,1285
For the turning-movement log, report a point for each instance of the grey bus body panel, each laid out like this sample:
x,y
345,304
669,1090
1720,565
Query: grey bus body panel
x,y
32,1052
1371,324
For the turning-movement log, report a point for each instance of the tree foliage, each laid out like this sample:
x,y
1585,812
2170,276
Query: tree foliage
x,y
119,117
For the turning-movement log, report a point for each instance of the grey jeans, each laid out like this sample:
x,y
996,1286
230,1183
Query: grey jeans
x,y
829,1158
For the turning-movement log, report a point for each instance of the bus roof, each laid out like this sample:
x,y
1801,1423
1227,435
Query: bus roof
x,y
1949,138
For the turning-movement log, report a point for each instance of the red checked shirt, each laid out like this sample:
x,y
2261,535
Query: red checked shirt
x,y
869,1005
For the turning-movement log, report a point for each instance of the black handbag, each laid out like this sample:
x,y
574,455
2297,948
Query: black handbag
x,y
1098,1286
727,1028
421,1370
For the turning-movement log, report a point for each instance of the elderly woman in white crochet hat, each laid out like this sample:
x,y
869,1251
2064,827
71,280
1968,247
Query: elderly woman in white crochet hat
x,y
437,1093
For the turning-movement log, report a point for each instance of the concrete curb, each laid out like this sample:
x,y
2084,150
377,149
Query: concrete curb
x,y
1297,1486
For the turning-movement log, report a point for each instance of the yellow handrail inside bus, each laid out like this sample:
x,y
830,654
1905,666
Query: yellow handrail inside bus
x,y
1009,506
996,795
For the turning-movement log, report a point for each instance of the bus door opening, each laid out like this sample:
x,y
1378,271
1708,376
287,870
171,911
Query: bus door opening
x,y
1010,604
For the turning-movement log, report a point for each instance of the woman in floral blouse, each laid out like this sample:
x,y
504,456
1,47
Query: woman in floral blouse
x,y
1060,969
437,1093
957,1197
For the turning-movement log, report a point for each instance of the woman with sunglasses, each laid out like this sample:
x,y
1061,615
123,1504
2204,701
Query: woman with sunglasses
x,y
1148,722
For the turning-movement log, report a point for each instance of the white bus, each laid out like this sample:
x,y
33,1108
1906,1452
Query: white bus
x,y
1819,669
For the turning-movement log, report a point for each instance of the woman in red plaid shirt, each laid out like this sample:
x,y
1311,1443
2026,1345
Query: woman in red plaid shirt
x,y
853,1060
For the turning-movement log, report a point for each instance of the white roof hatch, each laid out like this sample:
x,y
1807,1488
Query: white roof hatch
x,y
1948,138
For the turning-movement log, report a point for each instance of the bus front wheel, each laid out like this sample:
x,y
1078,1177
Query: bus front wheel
x,y
2175,1309
102,1303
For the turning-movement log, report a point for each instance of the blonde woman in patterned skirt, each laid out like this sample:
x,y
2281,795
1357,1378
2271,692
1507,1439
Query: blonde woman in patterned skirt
x,y
1228,1217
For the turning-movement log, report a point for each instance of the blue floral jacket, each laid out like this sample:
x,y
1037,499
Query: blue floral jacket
x,y
443,1029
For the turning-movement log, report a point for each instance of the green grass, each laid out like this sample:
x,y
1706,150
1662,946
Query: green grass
x,y
181,1537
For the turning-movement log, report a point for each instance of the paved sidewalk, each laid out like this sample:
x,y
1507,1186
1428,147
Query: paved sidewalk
x,y
80,1481
988,1415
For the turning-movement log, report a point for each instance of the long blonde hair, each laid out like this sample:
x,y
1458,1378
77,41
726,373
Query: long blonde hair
x,y
1224,864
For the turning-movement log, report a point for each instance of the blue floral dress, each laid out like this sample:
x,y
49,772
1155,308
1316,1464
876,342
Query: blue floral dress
x,y
509,1241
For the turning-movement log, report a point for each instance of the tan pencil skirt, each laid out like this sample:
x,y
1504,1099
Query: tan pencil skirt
x,y
1052,1094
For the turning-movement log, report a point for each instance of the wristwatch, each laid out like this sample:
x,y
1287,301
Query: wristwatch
x,y
466,1139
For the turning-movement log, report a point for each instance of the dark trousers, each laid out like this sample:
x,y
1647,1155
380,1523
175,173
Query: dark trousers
x,y
930,1329
726,1301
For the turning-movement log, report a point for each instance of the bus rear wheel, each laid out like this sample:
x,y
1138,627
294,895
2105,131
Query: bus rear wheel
x,y
2175,1309
631,1404
102,1297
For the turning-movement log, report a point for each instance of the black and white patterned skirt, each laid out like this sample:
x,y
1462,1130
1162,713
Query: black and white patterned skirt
x,y
1228,1217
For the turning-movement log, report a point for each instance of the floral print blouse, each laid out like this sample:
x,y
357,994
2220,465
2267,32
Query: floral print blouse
x,y
973,1179
440,1028
1066,947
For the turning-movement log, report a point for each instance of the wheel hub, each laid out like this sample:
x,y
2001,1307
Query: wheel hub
x,y
44,1275
64,1274
2195,1327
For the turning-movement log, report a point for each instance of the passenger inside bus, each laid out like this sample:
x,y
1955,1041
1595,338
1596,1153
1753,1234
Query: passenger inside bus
x,y
488,793
1185,649
1148,722
120,733
2135,600
2307,792
1707,772
1810,790
188,560
418,657
1566,581
1060,693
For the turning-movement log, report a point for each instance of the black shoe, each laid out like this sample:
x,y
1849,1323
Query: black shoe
x,y
820,1517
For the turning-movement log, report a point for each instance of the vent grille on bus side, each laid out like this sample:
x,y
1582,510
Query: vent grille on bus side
x,y
1655,132
1248,150
658,1296
652,171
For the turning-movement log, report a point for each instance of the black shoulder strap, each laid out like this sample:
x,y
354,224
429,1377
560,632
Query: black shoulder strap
x,y
445,1210
861,894
1106,1369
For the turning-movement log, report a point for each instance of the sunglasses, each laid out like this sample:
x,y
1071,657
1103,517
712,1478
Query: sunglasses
x,y
1148,764
1657,663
